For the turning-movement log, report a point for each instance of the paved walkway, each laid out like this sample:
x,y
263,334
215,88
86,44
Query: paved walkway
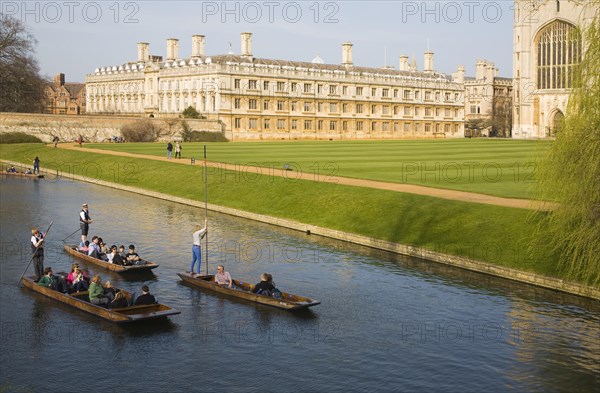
x,y
398,187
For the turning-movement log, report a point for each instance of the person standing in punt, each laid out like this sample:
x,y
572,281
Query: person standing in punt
x,y
197,248
37,248
222,277
84,222
36,165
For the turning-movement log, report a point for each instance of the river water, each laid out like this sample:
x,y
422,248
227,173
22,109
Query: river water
x,y
386,323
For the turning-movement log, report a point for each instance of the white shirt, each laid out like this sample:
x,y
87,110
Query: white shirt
x,y
198,235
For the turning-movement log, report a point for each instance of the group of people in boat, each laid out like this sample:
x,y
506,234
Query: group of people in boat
x,y
99,250
265,287
99,294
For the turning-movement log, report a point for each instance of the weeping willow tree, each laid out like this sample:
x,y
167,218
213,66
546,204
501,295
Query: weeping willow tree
x,y
570,174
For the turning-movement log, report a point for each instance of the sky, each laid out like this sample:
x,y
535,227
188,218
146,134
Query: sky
x,y
76,37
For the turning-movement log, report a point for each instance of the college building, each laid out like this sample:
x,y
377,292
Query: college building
x,y
64,98
256,98
548,44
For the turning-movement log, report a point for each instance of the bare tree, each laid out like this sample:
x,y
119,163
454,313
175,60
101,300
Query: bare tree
x,y
21,86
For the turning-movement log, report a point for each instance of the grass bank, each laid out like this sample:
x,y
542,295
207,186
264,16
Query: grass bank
x,y
505,168
493,234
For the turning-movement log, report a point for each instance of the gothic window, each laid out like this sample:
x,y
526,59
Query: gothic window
x,y
558,51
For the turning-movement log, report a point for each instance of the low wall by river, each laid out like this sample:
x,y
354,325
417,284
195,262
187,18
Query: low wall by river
x,y
93,128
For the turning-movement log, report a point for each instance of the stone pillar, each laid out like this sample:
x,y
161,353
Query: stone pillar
x,y
347,54
404,66
172,48
459,75
247,45
198,49
428,62
143,52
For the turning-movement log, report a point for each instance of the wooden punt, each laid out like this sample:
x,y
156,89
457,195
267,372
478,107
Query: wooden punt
x,y
243,289
110,266
21,174
80,301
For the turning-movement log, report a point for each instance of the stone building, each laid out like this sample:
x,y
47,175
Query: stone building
x,y
548,44
488,101
65,98
256,98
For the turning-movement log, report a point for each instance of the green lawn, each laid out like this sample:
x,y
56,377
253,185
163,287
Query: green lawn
x,y
496,167
489,233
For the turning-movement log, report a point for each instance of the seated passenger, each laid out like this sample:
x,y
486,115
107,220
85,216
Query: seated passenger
x,y
85,247
104,250
110,290
133,258
120,301
222,277
98,294
77,279
265,286
12,169
28,172
49,280
122,252
94,248
145,297
113,256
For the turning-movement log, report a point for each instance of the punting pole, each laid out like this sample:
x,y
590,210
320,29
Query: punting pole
x,y
206,208
32,255
76,230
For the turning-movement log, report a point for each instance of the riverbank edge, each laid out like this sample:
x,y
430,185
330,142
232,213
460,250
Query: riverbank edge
x,y
397,248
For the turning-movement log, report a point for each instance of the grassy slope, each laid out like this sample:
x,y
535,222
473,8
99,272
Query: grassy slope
x,y
496,167
489,233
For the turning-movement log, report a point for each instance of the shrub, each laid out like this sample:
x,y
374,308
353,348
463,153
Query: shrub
x,y
188,135
18,137
206,136
191,113
141,131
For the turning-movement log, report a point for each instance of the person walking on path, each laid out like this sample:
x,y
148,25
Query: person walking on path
x,y
169,150
84,222
177,150
196,248
36,165
37,248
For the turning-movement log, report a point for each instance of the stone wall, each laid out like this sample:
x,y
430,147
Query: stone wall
x,y
93,128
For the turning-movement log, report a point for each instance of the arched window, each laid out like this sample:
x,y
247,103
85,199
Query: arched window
x,y
558,51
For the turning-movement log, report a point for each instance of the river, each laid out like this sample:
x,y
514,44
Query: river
x,y
386,323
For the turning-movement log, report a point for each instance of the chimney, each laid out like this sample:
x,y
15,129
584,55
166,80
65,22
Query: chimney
x,y
480,69
459,75
172,48
247,46
143,52
404,63
428,63
490,73
59,80
198,46
413,65
347,54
